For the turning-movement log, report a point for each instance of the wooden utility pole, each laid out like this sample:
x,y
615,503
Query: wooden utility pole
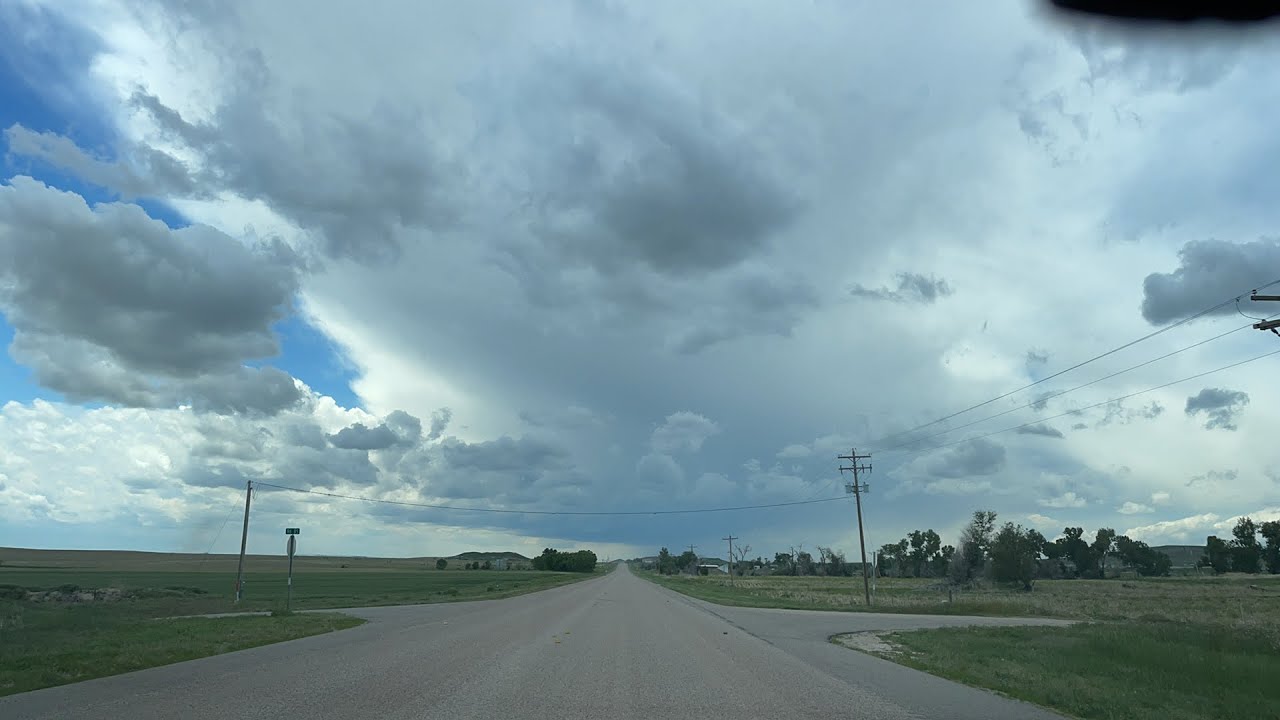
x,y
244,539
857,487
1266,324
731,538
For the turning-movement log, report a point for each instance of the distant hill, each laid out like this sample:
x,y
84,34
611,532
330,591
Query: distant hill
x,y
1182,555
470,556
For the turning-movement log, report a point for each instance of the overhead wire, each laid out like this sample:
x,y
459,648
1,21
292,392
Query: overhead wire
x,y
510,511
1131,343
1051,396
1077,411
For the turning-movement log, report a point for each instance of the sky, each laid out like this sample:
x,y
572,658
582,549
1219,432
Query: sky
x,y
596,257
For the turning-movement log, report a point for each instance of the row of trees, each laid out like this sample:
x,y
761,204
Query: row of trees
x,y
1021,555
552,559
1244,553
919,554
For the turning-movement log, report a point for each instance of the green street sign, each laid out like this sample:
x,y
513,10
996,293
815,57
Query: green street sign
x,y
293,531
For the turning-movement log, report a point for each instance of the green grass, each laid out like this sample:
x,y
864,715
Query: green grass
x,y
1248,601
53,646
311,591
1139,671
51,643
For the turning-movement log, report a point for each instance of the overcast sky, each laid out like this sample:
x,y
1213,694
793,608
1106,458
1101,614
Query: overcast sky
x,y
595,256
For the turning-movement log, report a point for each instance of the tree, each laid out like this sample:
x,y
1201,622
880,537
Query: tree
x,y
917,554
666,564
889,562
687,561
442,564
784,563
742,564
487,565
1015,554
552,559
1072,546
1245,550
975,543
1271,555
833,563
942,559
804,563
1217,555
1139,556
1101,545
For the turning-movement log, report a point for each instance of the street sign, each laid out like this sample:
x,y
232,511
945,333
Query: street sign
x,y
293,531
293,547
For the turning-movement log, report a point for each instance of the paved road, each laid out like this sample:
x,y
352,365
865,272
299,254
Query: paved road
x,y
612,647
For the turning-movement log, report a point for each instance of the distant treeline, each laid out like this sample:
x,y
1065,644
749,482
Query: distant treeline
x,y
551,559
1244,553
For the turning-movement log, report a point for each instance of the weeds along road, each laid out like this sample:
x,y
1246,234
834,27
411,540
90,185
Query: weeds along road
x,y
612,647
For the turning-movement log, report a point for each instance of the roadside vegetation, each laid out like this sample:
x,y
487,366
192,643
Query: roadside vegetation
x,y
63,624
1140,671
49,644
1154,641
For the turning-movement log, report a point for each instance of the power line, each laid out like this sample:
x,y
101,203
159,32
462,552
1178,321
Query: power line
x,y
1051,396
1100,404
1078,365
504,511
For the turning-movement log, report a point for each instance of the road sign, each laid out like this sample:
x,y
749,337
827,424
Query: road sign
x,y
293,531
293,547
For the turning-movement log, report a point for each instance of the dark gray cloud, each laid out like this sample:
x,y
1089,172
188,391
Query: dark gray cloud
x,y
1079,426
1117,413
110,304
1041,429
145,172
652,173
1220,407
1042,400
1209,272
361,437
752,304
912,288
439,423
408,429
976,457
399,429
248,390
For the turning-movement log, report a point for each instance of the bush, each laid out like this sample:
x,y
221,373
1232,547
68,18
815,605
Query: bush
x,y
442,564
13,592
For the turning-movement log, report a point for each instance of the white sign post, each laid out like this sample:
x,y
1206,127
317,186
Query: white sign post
x,y
293,546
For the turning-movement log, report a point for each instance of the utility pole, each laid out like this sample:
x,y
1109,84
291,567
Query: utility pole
x,y
857,487
244,539
731,538
1266,324
695,558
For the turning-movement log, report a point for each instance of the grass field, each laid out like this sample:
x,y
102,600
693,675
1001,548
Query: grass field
x,y
1248,600
55,646
1108,671
1167,648
83,635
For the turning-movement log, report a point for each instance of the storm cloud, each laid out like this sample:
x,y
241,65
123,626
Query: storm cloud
x,y
911,288
1209,272
1220,407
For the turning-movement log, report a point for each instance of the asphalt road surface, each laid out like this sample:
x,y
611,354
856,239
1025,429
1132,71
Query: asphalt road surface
x,y
616,646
